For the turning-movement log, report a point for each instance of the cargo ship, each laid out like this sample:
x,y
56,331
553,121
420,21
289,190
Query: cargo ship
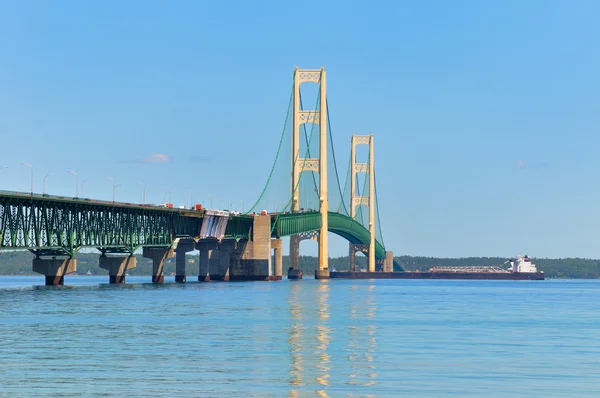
x,y
519,268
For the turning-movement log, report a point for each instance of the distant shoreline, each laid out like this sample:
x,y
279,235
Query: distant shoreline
x,y
18,263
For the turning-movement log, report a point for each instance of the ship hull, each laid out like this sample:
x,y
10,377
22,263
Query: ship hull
x,y
516,276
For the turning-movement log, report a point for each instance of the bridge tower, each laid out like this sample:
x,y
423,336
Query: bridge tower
x,y
319,165
356,200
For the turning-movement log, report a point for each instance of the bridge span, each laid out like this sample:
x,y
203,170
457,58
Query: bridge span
x,y
232,246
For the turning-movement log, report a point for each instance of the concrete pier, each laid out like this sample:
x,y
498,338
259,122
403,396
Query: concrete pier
x,y
214,264
388,263
294,272
277,246
251,260
183,246
54,269
158,256
117,266
206,249
226,247
322,274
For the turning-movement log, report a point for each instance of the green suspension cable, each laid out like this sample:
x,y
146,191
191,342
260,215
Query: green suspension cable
x,y
298,182
377,209
348,174
362,192
334,160
358,216
295,160
278,149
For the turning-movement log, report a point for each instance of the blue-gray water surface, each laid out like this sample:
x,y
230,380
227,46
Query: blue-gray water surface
x,y
303,338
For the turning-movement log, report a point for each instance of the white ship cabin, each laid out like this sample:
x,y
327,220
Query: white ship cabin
x,y
522,264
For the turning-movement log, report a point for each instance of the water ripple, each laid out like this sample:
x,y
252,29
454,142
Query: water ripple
x,y
310,338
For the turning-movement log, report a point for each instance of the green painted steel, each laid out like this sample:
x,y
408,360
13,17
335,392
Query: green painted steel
x,y
239,227
52,225
287,115
340,224
296,223
398,266
57,225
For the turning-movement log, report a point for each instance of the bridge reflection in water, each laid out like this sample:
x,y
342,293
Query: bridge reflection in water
x,y
316,342
296,341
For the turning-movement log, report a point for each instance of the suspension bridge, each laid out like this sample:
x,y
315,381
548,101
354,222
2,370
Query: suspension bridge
x,y
232,246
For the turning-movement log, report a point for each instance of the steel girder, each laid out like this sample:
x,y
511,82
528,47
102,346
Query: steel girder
x,y
60,226
339,224
47,225
239,227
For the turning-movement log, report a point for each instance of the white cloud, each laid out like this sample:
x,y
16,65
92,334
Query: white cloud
x,y
157,158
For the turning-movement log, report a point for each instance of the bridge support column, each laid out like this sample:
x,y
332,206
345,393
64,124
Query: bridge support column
x,y
322,274
117,266
277,245
242,251
206,248
183,246
352,255
388,263
251,261
214,264
221,270
158,256
294,271
54,269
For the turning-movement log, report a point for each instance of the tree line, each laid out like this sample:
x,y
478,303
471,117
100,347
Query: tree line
x,y
19,263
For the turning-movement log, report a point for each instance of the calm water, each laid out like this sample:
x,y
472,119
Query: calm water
x,y
307,338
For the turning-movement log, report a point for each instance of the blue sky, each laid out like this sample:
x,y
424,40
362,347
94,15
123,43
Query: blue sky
x,y
485,113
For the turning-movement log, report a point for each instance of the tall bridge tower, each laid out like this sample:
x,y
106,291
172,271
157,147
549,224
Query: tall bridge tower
x,y
319,165
356,200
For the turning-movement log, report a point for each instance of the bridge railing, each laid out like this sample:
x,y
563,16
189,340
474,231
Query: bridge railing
x,y
58,224
9,195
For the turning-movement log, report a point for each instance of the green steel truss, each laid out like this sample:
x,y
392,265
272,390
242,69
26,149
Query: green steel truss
x,y
61,226
50,225
340,224
239,227
354,232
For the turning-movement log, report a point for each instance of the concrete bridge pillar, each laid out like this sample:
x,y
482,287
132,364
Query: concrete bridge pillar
x,y
322,274
207,252
117,266
226,247
294,271
251,260
54,269
388,263
237,258
277,245
214,264
158,256
183,246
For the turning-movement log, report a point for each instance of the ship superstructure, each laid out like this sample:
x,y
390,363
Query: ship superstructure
x,y
521,264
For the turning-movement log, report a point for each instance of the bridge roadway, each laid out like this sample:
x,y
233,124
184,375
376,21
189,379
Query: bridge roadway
x,y
232,246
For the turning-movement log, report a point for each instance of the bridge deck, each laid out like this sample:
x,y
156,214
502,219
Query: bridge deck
x,y
58,224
